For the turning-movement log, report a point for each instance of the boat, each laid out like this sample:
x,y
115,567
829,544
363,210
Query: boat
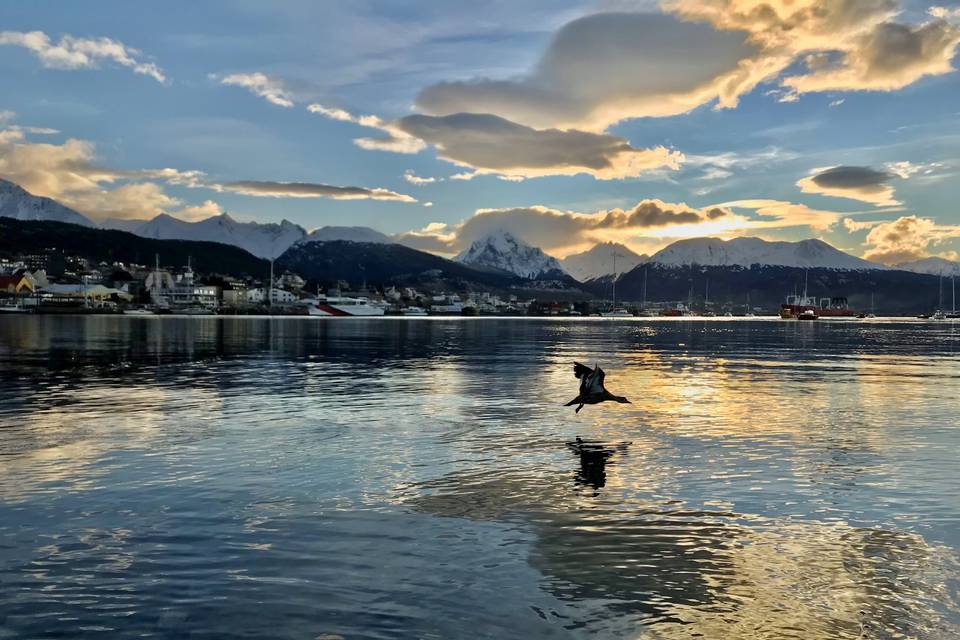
x,y
616,312
414,311
938,315
194,311
796,305
808,314
14,308
138,311
338,306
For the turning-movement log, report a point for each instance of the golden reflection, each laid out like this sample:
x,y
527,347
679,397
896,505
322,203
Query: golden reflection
x,y
64,442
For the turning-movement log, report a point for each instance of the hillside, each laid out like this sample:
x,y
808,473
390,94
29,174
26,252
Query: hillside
x,y
598,261
379,263
894,291
18,237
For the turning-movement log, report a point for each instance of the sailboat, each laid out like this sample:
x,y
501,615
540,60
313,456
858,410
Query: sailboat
x,y
615,312
953,315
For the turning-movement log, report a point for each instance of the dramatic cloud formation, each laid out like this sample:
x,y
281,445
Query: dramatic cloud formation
x,y
604,68
310,190
489,144
856,183
270,89
845,45
80,53
889,57
907,238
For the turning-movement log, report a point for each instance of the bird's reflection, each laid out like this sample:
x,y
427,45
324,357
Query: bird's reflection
x,y
593,462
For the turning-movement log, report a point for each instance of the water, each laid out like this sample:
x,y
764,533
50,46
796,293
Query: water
x,y
299,478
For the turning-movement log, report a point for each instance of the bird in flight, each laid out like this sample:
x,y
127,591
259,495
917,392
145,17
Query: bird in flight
x,y
592,390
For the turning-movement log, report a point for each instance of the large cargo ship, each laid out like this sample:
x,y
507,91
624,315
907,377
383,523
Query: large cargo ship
x,y
806,306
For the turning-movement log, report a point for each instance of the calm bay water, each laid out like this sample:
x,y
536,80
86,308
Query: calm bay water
x,y
400,478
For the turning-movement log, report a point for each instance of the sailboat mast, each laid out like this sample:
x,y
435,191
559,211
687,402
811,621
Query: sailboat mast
x,y
644,287
953,291
614,279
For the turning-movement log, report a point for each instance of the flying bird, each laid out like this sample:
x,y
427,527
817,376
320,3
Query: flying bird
x,y
592,390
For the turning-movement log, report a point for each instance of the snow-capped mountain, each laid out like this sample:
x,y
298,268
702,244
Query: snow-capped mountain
x,y
933,265
262,240
598,261
502,251
121,224
16,202
747,251
349,234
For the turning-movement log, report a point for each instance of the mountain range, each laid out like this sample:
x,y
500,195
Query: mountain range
x,y
17,203
499,253
268,240
599,261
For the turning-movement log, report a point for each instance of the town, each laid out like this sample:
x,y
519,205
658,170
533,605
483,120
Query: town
x,y
49,283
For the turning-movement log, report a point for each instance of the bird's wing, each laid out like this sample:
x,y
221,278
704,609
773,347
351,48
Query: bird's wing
x,y
595,382
581,370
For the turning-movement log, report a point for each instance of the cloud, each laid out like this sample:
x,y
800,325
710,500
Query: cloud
x,y
856,183
208,209
413,178
853,226
906,169
945,13
395,140
488,144
69,173
889,57
310,190
270,89
906,238
561,231
780,214
80,53
837,102
607,67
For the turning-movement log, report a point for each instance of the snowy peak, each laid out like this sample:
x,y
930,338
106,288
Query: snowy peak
x,y
262,240
748,251
933,265
503,252
599,261
17,203
348,234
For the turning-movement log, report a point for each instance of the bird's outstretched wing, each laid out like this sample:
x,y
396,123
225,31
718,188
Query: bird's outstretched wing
x,y
594,382
581,370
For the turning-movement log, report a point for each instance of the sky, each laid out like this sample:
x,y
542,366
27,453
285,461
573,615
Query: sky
x,y
567,123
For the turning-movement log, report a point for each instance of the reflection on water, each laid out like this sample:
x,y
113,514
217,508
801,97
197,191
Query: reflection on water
x,y
290,478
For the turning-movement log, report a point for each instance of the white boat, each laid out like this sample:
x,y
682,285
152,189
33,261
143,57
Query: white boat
x,y
414,311
14,308
335,306
938,315
617,313
138,312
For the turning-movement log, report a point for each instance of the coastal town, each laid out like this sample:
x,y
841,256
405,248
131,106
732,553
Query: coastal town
x,y
48,283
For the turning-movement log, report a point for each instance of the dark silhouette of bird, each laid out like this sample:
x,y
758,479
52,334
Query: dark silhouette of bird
x,y
592,390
